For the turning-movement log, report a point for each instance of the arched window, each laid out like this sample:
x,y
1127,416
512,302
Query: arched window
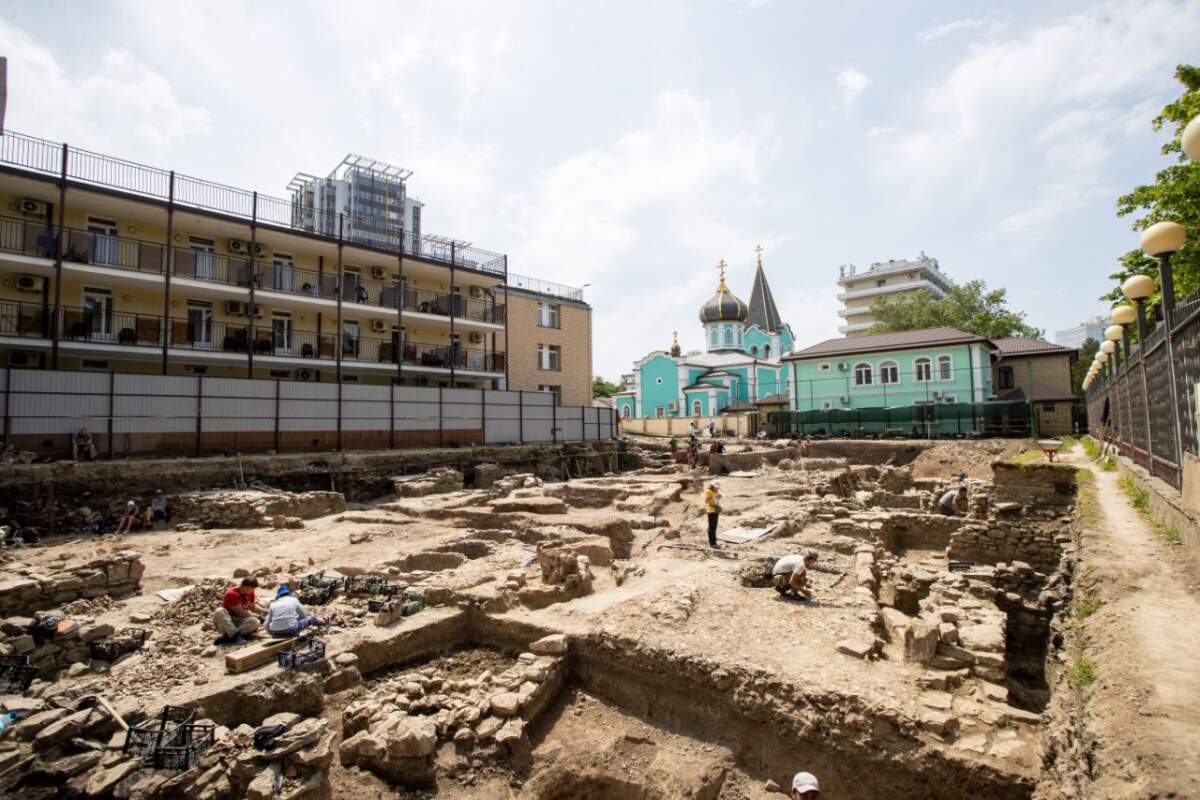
x,y
738,333
863,376
729,335
945,368
753,349
696,407
716,336
889,372
625,412
766,351
922,370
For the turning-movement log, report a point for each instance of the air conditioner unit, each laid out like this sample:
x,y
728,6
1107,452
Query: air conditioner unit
x,y
254,310
422,381
20,358
476,291
260,249
234,308
378,273
30,283
845,399
844,365
33,208
238,246
305,374
378,325
937,395
476,338
672,406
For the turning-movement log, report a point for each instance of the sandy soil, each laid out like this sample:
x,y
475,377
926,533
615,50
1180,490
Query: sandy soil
x,y
1144,708
973,458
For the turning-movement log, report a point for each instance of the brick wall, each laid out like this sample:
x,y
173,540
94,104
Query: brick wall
x,y
573,336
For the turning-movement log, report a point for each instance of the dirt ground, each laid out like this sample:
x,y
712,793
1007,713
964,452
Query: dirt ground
x,y
974,458
1144,708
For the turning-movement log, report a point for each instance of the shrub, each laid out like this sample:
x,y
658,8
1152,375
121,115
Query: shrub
x,y
1081,674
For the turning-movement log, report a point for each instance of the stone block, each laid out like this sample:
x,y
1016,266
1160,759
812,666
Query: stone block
x,y
553,645
920,641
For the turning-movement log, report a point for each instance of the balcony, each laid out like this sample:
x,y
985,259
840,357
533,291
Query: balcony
x,y
270,338
37,240
907,286
40,157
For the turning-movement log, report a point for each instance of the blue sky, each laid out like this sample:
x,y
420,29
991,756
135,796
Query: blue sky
x,y
633,145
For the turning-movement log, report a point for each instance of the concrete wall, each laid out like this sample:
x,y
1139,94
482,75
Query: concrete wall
x,y
728,425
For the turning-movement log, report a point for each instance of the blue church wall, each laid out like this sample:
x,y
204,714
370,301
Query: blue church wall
x,y
700,395
660,377
620,405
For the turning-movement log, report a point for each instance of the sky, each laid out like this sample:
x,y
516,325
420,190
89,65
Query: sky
x,y
629,146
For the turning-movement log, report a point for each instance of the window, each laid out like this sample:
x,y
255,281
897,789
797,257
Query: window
x,y
549,356
881,282
766,351
1004,378
753,349
352,285
552,389
715,339
889,372
1048,407
547,315
199,324
281,332
97,315
922,370
728,335
284,269
625,411
658,412
945,368
350,338
206,266
863,375
697,408
824,367
102,235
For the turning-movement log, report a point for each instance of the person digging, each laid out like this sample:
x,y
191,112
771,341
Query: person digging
x,y
287,617
953,502
805,786
790,575
238,616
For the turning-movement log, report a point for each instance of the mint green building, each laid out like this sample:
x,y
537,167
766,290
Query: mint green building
x,y
926,368
740,367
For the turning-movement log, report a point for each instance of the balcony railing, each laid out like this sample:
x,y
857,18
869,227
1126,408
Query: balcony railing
x,y
44,157
35,238
268,338
545,287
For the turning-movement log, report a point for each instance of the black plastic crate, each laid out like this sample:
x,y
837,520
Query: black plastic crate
x,y
16,673
184,748
316,596
293,659
317,580
373,584
145,738
129,640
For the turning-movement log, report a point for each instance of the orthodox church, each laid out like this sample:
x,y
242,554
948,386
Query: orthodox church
x,y
739,367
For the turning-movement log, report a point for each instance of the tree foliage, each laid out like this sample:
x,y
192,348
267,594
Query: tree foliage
x,y
602,388
969,307
1083,362
1174,195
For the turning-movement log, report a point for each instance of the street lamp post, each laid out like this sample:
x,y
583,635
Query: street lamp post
x,y
1137,289
1159,241
1123,315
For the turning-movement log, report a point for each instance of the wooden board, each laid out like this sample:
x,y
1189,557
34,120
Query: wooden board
x,y
250,657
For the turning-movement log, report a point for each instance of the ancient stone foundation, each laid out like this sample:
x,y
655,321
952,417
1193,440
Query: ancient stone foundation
x,y
24,589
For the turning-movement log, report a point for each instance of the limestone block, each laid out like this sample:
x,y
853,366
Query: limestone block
x,y
920,641
553,645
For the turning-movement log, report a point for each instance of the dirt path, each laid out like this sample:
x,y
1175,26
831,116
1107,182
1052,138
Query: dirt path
x,y
1144,708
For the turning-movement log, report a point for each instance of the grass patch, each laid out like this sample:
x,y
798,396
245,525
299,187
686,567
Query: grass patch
x,y
1081,674
1069,442
1139,497
1027,457
1173,536
1109,464
1087,606
1088,504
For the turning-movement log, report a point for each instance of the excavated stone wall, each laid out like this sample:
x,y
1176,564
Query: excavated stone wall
x,y
25,589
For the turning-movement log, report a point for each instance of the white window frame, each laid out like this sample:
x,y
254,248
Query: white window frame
x,y
282,322
550,357
697,408
659,412
917,362
870,374
944,359
883,368
548,315
825,366
102,325
715,338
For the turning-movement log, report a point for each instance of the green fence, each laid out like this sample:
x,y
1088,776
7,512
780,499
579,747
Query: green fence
x,y
917,421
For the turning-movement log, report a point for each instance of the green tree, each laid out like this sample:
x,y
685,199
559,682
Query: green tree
x,y
1174,195
602,388
1083,362
969,307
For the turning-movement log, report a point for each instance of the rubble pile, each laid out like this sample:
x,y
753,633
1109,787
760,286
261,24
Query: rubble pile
x,y
503,487
254,508
24,589
63,742
196,604
396,730
68,645
439,480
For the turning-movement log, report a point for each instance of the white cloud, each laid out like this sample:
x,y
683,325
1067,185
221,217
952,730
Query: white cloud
x,y
851,83
82,106
883,130
944,29
1054,100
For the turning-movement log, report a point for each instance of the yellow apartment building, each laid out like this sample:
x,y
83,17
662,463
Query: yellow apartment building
x,y
111,265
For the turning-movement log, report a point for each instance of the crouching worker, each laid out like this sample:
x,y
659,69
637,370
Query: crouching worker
x,y
790,574
237,617
286,617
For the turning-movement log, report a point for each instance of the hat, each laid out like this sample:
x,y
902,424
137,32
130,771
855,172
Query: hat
x,y
715,484
283,590
813,555
805,782
130,504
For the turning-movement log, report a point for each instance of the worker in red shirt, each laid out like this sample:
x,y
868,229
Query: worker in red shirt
x,y
238,616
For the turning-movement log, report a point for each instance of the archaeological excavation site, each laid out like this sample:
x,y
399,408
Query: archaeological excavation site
x,y
545,622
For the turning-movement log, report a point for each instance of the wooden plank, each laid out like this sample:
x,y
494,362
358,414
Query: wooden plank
x,y
250,657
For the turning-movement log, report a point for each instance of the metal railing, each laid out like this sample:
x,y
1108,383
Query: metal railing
x,y
1146,404
545,287
83,166
101,326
